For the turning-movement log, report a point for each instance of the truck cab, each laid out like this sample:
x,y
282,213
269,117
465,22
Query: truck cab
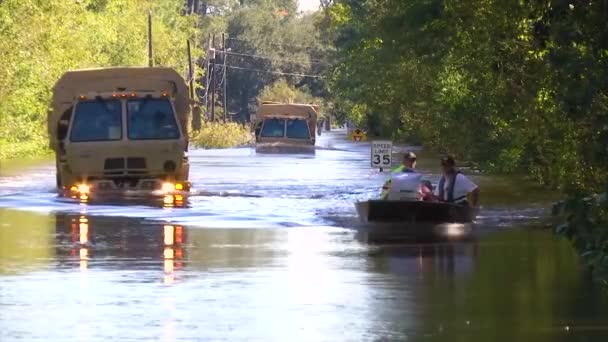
x,y
120,130
286,125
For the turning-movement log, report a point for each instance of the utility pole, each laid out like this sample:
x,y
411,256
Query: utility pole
x,y
224,73
213,78
207,75
190,71
150,60
196,111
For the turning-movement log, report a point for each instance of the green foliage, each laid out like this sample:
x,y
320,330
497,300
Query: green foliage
x,y
43,39
268,41
586,225
280,91
513,86
222,135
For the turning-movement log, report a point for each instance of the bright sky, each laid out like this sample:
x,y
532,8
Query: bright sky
x,y
308,5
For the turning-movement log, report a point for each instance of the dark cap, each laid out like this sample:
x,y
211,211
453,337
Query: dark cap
x,y
409,156
448,160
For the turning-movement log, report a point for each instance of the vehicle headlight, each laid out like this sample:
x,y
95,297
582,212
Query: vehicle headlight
x,y
168,187
83,188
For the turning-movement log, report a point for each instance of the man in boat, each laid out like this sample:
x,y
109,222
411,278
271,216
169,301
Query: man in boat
x,y
454,187
408,166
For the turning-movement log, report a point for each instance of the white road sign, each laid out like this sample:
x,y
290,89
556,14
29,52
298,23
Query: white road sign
x,y
382,153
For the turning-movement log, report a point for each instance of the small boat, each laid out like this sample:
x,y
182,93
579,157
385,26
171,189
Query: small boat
x,y
402,220
413,212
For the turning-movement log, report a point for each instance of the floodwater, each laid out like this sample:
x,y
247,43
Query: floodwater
x,y
267,250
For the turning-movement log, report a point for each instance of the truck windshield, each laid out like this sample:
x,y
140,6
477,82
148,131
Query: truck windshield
x,y
297,129
273,128
150,119
97,120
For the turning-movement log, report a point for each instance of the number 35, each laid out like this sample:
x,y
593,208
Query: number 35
x,y
385,159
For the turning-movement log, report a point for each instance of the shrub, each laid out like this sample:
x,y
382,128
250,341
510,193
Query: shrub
x,y
586,225
222,135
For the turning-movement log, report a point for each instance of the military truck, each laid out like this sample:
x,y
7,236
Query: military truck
x,y
117,130
286,125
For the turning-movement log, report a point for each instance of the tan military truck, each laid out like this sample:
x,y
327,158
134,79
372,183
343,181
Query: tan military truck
x,y
286,125
120,130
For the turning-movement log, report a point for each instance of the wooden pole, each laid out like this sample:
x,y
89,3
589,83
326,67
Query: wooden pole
x,y
224,56
196,111
150,60
190,70
207,74
213,78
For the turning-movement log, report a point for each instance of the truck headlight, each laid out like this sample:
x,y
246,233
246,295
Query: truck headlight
x,y
168,187
80,188
83,188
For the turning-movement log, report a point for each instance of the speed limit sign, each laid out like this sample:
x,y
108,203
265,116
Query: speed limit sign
x,y
382,153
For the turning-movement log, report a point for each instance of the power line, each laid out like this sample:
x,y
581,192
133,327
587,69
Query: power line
x,y
275,72
280,44
311,61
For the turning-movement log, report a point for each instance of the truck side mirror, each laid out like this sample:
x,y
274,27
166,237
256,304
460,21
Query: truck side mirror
x,y
60,148
63,124
62,131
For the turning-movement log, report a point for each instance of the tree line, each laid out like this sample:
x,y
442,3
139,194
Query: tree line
x,y
274,52
268,40
41,39
511,86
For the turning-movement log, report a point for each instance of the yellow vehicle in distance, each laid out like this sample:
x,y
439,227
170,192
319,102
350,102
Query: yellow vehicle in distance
x,y
286,127
120,131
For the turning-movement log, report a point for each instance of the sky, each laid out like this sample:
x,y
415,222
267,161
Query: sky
x,y
308,5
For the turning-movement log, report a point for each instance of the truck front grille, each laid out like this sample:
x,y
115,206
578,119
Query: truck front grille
x,y
114,163
136,163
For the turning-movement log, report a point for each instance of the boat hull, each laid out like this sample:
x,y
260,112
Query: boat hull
x,y
386,221
399,211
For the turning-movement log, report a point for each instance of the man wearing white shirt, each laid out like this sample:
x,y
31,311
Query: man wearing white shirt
x,y
454,187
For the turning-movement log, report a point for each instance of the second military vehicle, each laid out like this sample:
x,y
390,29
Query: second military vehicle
x,y
282,126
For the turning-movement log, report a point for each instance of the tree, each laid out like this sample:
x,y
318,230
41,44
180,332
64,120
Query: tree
x,y
529,79
43,39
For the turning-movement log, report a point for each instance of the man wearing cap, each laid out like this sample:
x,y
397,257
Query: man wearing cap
x,y
408,164
454,187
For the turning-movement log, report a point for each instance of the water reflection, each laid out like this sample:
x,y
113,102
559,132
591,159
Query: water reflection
x,y
102,242
443,260
107,277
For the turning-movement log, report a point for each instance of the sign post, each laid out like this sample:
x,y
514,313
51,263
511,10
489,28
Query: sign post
x,y
381,154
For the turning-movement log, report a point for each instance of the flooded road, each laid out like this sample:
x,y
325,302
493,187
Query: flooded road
x,y
266,252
